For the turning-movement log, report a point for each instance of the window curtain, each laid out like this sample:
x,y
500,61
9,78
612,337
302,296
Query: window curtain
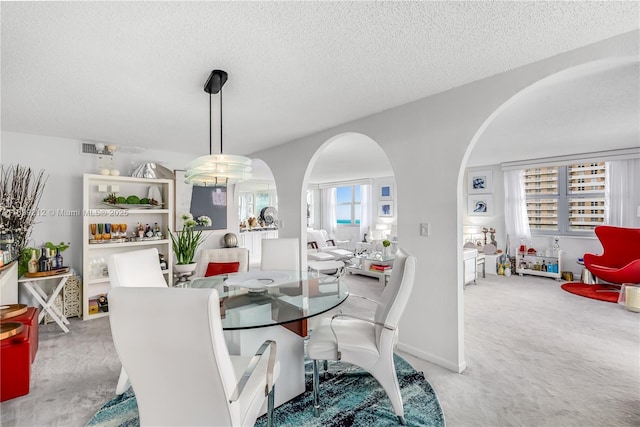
x,y
621,193
329,211
365,209
515,208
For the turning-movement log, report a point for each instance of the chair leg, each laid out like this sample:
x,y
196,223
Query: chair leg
x,y
401,420
325,366
270,405
123,382
316,385
389,381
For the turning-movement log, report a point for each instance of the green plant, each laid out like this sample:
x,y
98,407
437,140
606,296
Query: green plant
x,y
62,246
186,242
386,243
23,261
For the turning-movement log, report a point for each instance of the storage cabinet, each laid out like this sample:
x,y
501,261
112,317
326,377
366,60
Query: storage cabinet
x,y
470,265
95,253
252,240
526,264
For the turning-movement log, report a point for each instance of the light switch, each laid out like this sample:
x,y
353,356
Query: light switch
x,y
102,188
424,229
115,188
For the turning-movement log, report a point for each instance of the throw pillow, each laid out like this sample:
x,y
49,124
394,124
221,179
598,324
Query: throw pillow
x,y
215,268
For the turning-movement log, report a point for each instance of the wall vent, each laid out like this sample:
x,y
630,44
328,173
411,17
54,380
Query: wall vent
x,y
90,148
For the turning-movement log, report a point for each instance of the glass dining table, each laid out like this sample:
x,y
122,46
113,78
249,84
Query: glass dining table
x,y
257,299
260,305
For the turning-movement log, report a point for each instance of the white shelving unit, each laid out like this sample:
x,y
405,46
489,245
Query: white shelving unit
x,y
533,259
95,255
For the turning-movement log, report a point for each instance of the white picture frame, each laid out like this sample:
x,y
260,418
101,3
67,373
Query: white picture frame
x,y
480,182
385,191
480,205
385,209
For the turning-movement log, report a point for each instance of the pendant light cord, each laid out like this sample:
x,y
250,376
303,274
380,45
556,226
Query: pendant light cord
x,y
221,121
210,124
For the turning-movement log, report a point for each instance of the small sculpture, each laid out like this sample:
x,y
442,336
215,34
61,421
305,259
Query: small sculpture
x,y
493,236
485,231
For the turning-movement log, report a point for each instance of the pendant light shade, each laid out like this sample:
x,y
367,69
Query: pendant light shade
x,y
217,169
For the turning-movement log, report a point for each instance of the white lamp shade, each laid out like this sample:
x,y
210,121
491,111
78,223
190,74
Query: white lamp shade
x,y
218,169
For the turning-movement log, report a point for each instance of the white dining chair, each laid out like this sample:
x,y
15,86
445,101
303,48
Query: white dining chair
x,y
172,345
367,343
280,254
221,255
139,268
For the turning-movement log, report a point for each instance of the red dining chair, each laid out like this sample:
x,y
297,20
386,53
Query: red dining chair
x,y
620,261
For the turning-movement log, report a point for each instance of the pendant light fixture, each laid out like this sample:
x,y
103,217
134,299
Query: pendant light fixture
x,y
217,169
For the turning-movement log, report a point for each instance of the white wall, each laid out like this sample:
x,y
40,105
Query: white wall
x,y
428,143
63,163
496,220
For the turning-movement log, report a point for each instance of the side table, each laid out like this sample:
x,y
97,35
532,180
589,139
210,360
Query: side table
x,y
33,285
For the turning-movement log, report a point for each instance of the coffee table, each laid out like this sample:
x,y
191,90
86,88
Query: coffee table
x,y
361,264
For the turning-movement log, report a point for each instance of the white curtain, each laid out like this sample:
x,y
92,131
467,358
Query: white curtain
x,y
515,208
365,209
622,193
329,211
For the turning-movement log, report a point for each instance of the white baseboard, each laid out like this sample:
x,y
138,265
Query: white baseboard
x,y
452,366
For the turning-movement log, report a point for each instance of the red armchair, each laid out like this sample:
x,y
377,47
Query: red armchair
x,y
620,261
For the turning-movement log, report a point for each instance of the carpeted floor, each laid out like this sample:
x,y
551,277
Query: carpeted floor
x,y
349,397
536,356
599,292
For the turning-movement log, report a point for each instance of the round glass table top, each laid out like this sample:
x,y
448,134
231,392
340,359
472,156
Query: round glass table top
x,y
256,299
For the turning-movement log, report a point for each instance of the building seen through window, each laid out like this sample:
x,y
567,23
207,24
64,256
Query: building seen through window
x,y
565,199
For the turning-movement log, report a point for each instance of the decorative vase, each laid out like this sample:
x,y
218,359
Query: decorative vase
x,y
230,240
184,268
386,251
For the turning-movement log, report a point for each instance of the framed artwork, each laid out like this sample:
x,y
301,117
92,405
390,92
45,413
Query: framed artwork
x,y
480,182
385,191
208,201
480,205
385,209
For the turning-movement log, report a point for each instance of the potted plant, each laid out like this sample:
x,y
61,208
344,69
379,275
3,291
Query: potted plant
x,y
386,244
186,242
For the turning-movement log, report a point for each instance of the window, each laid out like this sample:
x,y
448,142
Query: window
x,y
348,205
565,199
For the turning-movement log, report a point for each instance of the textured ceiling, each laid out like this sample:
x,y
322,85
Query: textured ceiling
x,y
131,73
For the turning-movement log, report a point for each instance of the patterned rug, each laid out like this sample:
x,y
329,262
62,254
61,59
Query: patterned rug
x,y
349,397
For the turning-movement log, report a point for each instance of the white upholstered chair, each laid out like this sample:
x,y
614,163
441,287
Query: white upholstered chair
x,y
368,343
136,268
221,255
320,245
139,268
280,254
173,348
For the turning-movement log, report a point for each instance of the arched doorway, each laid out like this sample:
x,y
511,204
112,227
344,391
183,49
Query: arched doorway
x,y
341,190
588,108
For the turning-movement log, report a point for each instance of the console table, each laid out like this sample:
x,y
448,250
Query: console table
x,y
32,284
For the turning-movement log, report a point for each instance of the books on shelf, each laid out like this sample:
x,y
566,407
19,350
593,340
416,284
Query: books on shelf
x,y
379,267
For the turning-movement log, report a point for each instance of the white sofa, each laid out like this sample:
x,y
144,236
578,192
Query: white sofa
x,y
322,248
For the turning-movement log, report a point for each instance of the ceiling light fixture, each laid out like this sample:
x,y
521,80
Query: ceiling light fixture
x,y
217,169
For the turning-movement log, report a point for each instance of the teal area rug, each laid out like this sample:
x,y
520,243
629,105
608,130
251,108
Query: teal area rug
x,y
349,397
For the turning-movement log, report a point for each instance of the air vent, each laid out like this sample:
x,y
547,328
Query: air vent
x,y
90,148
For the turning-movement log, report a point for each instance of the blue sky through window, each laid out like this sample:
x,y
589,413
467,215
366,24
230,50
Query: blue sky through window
x,y
348,205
